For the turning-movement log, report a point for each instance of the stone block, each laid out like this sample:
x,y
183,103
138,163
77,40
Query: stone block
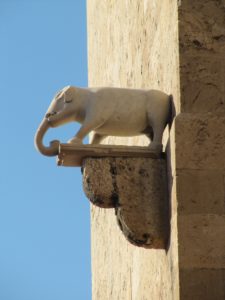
x,y
201,241
137,189
200,141
202,83
201,191
202,64
207,284
201,25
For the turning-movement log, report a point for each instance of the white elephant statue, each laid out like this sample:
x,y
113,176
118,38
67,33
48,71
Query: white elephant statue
x,y
107,112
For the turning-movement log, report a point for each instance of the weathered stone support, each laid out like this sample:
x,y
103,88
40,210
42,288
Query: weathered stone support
x,y
137,189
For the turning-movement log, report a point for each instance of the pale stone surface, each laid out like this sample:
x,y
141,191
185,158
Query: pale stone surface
x,y
123,271
137,189
133,44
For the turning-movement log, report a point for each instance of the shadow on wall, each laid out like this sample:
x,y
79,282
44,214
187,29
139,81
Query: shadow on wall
x,y
170,179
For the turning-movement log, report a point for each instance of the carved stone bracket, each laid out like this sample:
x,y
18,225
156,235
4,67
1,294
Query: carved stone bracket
x,y
133,181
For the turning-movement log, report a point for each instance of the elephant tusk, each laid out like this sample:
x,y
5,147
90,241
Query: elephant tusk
x,y
53,149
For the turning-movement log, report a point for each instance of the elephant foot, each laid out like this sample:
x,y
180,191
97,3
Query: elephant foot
x,y
75,140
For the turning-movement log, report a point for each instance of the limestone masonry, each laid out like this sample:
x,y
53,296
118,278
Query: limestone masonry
x,y
177,47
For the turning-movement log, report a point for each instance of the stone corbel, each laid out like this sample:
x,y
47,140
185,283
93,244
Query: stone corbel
x,y
131,180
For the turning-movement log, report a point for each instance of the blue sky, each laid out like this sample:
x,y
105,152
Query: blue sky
x,y
44,215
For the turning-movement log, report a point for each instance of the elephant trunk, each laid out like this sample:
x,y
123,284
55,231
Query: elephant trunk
x,y
53,149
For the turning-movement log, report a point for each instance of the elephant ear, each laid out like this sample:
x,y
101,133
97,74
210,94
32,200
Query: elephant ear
x,y
68,94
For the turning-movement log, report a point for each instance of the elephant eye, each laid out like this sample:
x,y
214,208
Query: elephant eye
x,y
68,100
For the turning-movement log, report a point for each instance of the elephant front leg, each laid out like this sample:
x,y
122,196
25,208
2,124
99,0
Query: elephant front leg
x,y
75,140
83,131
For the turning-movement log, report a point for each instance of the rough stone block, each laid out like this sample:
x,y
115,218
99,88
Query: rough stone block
x,y
200,141
201,26
97,182
207,284
202,64
201,191
201,241
137,188
202,83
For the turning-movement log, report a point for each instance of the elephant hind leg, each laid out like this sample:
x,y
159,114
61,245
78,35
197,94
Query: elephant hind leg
x,y
156,143
156,134
97,138
149,133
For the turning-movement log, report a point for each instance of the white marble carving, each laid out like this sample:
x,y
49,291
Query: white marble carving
x,y
107,112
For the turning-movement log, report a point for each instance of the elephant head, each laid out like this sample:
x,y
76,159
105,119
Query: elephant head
x,y
57,114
